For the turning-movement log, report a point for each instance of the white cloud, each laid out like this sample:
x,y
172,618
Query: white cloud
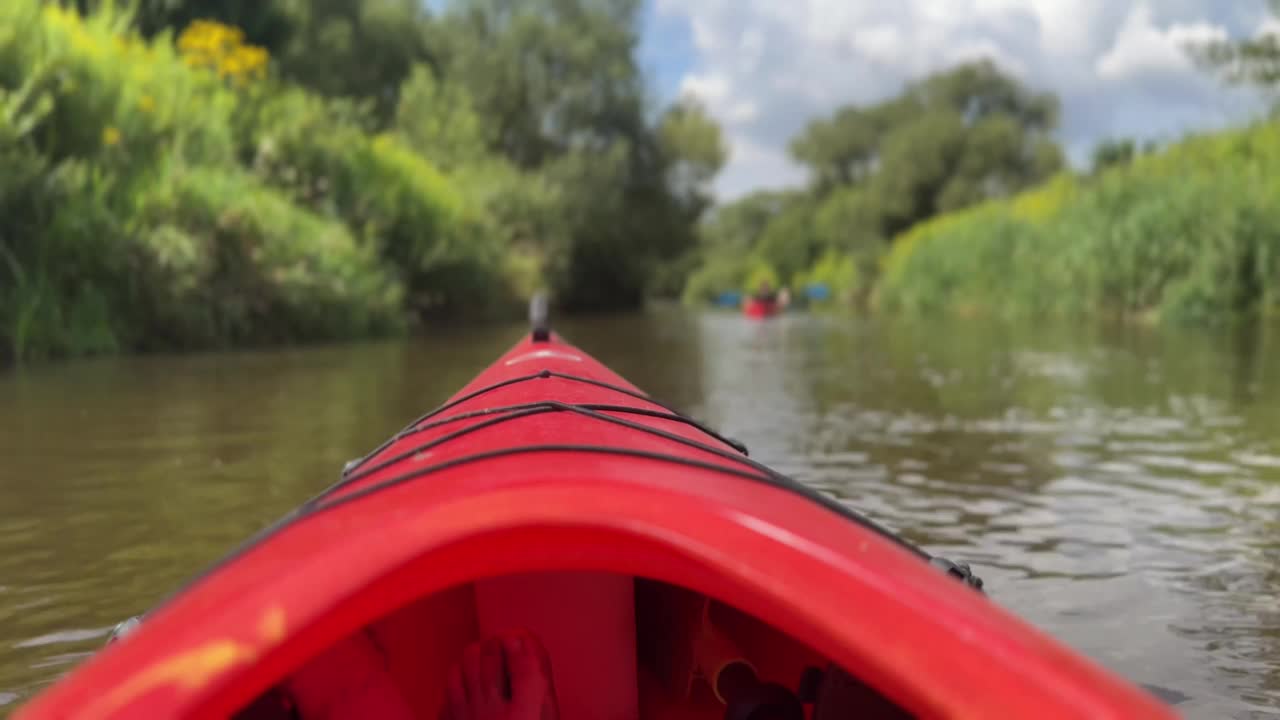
x,y
768,66
757,167
711,88
1142,48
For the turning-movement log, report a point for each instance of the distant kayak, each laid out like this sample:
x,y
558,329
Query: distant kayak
x,y
667,574
757,308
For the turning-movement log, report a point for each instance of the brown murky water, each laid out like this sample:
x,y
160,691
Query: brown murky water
x,y
1119,488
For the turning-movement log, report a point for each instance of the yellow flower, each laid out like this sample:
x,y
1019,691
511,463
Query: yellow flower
x,y
253,57
147,104
222,48
110,136
229,66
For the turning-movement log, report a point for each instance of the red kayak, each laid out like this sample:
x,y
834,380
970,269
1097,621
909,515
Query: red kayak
x,y
666,574
757,308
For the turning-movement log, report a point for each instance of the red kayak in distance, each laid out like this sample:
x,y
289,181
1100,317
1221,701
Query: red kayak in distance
x,y
759,309
652,557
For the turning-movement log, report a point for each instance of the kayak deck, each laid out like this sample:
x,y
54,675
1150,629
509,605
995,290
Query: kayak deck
x,y
644,550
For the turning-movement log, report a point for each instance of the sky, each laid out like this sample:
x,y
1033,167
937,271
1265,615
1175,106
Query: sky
x,y
764,68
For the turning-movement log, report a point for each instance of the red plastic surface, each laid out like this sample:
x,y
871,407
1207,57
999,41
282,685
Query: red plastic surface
x,y
587,623
759,308
926,641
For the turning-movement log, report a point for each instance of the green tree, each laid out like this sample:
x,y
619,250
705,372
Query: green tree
x,y
979,90
847,224
735,228
265,24
549,75
437,118
561,97
788,243
1110,153
1251,61
356,48
842,150
693,151
950,140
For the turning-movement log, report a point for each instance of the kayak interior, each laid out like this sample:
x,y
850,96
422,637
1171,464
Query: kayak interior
x,y
621,647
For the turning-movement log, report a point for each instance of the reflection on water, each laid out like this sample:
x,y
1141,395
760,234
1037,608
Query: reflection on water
x,y
1118,488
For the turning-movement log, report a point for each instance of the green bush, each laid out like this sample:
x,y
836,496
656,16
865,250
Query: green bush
x,y
59,274
116,100
223,260
390,198
61,186
788,244
839,273
714,276
1189,234
125,222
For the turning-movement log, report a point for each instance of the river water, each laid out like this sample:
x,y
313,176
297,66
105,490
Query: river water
x,y
1118,487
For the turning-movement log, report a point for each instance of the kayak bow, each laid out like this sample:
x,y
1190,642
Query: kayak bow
x,y
646,551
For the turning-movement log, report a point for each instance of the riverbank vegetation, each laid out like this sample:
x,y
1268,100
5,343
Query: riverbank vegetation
x,y
195,174
949,141
952,198
199,174
1192,233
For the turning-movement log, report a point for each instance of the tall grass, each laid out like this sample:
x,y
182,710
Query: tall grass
x,y
1192,234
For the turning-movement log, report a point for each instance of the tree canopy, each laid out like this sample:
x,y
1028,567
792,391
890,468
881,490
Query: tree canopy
x,y
1250,61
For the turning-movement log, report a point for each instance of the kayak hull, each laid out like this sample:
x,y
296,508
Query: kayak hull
x,y
759,309
532,498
